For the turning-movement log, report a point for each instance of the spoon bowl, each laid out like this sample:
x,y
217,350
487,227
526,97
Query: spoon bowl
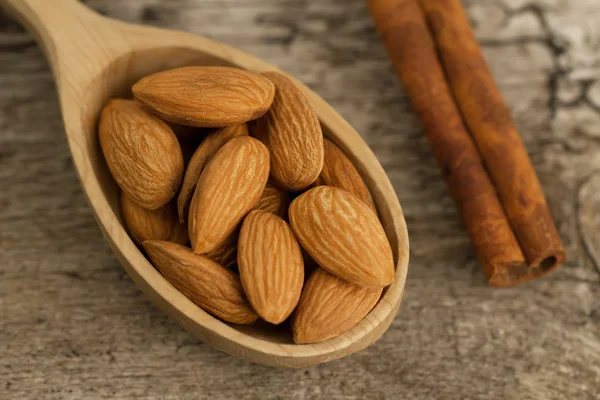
x,y
95,58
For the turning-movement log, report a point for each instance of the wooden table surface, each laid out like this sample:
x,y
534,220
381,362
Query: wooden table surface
x,y
74,326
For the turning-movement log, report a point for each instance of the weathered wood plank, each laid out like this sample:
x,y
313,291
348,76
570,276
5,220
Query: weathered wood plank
x,y
73,325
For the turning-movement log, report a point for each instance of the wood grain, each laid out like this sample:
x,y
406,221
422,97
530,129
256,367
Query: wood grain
x,y
73,325
94,59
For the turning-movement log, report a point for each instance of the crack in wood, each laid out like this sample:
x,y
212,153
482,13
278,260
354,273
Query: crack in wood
x,y
583,99
557,46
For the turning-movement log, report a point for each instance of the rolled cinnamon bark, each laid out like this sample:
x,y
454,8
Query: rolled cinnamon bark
x,y
402,27
495,134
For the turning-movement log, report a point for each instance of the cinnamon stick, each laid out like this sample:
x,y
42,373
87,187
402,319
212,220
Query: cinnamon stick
x,y
402,28
495,134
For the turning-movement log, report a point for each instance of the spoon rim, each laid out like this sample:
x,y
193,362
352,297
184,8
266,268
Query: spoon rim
x,y
201,324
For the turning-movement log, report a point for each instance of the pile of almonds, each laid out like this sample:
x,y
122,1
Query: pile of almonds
x,y
231,205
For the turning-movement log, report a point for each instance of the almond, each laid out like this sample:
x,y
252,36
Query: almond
x,y
229,187
142,153
343,235
330,306
211,287
203,154
206,96
274,200
226,254
270,264
339,171
291,131
158,224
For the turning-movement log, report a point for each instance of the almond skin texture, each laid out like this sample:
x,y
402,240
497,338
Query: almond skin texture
x,y
215,289
270,264
228,188
274,200
226,254
157,224
330,306
206,96
142,153
343,235
292,132
203,154
339,171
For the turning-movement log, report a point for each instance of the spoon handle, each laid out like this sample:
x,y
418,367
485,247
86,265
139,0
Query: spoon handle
x,y
71,35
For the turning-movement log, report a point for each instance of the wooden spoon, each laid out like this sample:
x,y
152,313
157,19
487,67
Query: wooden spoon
x,y
94,58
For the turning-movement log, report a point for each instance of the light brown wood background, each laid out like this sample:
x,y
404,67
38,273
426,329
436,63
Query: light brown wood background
x,y
74,326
